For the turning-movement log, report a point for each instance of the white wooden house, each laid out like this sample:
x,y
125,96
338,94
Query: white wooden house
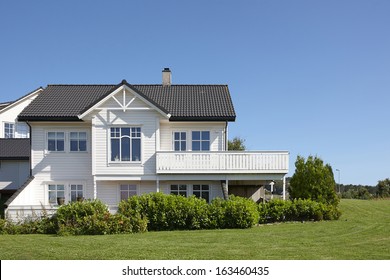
x,y
113,141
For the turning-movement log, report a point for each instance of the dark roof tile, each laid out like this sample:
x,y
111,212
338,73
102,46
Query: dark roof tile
x,y
182,102
14,148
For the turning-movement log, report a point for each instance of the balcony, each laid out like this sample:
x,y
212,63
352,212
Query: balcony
x,y
222,162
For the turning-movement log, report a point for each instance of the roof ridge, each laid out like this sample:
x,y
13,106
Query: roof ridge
x,y
67,85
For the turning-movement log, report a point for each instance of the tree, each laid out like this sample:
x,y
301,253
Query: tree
x,y
313,180
383,188
237,144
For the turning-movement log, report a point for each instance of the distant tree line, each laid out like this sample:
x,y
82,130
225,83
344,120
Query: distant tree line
x,y
381,190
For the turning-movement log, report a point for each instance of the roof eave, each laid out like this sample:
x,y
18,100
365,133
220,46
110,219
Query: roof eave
x,y
202,119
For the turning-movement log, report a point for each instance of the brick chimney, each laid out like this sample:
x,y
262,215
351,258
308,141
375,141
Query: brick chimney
x,y
166,77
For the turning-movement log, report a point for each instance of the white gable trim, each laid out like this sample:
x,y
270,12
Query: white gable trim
x,y
12,104
122,105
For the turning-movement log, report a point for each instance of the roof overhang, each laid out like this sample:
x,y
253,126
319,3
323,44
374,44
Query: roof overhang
x,y
23,98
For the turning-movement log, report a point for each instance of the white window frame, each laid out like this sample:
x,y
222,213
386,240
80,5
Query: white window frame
x,y
67,191
131,137
10,129
180,141
201,191
78,139
22,130
79,188
128,190
55,139
200,140
179,191
56,190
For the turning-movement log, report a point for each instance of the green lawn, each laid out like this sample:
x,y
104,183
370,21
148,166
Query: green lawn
x,y
363,232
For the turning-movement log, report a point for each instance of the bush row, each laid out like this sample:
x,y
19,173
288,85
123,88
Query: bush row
x,y
171,212
297,210
157,211
89,217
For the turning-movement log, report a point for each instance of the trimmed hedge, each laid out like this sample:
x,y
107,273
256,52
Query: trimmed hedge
x,y
296,210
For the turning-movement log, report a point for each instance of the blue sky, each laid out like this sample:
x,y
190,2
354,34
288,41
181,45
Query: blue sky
x,y
311,77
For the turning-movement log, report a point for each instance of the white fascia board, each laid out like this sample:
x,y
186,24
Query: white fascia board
x,y
12,104
121,88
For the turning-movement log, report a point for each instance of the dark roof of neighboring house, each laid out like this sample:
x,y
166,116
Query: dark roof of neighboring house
x,y
182,102
14,148
4,104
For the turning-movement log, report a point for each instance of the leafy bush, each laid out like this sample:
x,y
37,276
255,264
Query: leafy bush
x,y
240,212
93,218
296,210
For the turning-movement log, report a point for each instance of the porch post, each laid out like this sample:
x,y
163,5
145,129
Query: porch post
x,y
272,189
225,188
284,187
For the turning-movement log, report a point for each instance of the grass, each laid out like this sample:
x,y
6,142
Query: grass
x,y
363,232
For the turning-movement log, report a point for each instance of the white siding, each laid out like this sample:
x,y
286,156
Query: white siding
x,y
147,120
13,173
56,167
216,134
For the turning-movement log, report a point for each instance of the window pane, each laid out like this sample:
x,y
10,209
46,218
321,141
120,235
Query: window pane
x,y
60,135
196,193
82,135
205,187
73,135
177,136
124,187
205,146
136,150
82,145
132,187
183,187
73,145
196,146
51,135
205,195
51,145
177,146
205,135
183,146
125,149
124,195
196,187
52,197
183,136
60,145
196,135
115,149
125,131
174,187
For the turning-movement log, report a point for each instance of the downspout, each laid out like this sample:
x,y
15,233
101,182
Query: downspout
x,y
30,160
226,136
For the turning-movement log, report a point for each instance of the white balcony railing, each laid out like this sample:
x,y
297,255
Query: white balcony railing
x,y
222,162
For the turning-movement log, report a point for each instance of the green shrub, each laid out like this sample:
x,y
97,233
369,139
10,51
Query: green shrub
x,y
296,210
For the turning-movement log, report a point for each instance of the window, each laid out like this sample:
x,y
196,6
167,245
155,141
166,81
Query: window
x,y
179,190
22,130
78,141
56,141
125,144
127,191
180,141
56,193
76,192
9,130
201,140
202,191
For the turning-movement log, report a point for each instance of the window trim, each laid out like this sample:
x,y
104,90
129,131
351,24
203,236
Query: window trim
x,y
127,184
200,140
13,129
47,141
109,150
67,191
180,140
78,141
178,189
